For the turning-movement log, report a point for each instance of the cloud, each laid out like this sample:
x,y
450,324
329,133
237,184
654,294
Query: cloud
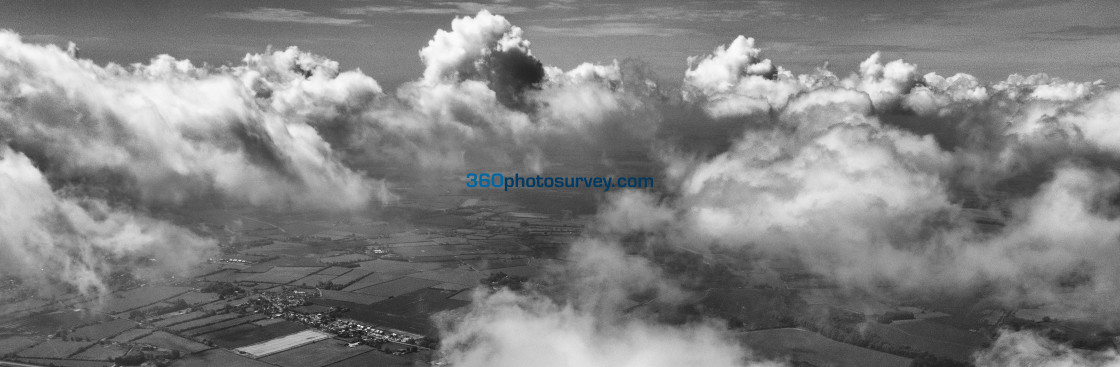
x,y
50,238
1024,348
874,179
614,29
438,8
587,326
281,15
831,176
168,132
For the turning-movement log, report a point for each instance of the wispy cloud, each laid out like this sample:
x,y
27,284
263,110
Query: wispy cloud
x,y
441,8
614,29
281,15
1088,30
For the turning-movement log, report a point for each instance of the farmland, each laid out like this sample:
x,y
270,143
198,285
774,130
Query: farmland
x,y
374,278
54,349
103,330
223,324
283,343
350,276
248,334
281,274
102,352
13,344
132,334
316,354
374,358
202,322
170,341
928,336
218,357
806,346
398,287
141,297
358,298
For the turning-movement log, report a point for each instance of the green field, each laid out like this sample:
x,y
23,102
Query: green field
x,y
218,357
456,276
375,358
223,325
104,329
281,274
203,321
54,348
360,298
249,334
164,340
101,352
937,339
397,287
140,297
316,354
132,334
64,362
806,346
172,320
15,343
313,280
374,278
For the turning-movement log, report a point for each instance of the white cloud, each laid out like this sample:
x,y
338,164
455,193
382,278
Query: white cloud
x,y
281,15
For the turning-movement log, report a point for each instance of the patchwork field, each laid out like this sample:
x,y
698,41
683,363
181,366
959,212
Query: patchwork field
x,y
281,274
223,325
334,270
374,358
63,362
316,354
390,266
203,321
457,276
218,357
351,276
196,298
249,334
398,287
806,346
348,258
419,304
104,329
164,340
15,343
132,334
313,280
139,297
938,339
172,320
374,278
102,352
284,343
359,298
54,349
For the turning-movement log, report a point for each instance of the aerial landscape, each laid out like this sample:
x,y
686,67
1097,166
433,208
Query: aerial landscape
x,y
413,183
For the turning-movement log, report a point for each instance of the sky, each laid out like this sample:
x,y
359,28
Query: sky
x,y
990,39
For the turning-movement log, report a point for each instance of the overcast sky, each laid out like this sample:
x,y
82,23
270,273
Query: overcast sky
x,y
990,39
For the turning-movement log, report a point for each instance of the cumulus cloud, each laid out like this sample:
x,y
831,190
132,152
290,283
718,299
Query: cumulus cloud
x,y
1023,348
874,180
49,238
844,177
485,100
508,330
586,326
169,131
